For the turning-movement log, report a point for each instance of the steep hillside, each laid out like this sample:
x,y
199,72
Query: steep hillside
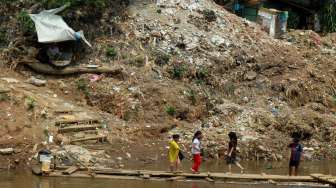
x,y
189,66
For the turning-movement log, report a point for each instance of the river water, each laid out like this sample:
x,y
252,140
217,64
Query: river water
x,y
24,179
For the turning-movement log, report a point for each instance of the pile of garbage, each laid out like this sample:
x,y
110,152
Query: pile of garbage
x,y
187,65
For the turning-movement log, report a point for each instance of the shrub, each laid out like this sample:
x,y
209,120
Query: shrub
x,y
3,39
82,85
30,103
202,73
192,96
111,52
178,71
4,97
57,3
138,61
209,15
162,59
229,88
26,24
328,16
170,110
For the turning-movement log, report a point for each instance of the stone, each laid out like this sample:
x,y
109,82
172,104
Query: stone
x,y
6,151
250,75
36,82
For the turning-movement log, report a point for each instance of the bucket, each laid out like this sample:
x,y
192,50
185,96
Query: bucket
x,y
45,166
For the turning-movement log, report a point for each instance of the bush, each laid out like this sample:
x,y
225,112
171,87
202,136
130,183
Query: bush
x,y
202,73
178,71
229,88
328,16
26,24
138,61
4,97
209,15
3,39
170,110
57,3
82,85
30,103
192,96
162,59
111,52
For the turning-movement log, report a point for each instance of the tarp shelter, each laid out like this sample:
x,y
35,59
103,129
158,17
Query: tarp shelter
x,y
51,28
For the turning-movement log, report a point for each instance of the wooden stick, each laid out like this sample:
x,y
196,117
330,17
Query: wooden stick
x,y
89,138
48,69
70,170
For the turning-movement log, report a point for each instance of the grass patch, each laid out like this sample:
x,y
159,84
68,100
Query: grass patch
x,y
192,95
178,71
209,15
3,37
170,110
57,3
30,103
111,52
82,85
162,59
4,97
26,24
229,88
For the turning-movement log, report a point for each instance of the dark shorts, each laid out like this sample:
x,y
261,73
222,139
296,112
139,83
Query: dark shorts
x,y
231,160
294,163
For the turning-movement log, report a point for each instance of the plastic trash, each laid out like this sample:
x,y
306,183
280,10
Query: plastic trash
x,y
51,28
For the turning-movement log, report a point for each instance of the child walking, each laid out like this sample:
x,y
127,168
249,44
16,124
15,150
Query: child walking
x,y
232,152
295,157
173,153
196,151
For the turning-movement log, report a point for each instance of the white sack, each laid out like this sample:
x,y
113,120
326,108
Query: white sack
x,y
52,28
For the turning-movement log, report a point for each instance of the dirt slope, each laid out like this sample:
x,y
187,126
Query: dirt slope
x,y
193,65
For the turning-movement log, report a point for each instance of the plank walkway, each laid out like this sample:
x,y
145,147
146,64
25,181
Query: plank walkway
x,y
169,176
329,179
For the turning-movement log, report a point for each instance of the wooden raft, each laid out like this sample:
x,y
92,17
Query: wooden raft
x,y
107,173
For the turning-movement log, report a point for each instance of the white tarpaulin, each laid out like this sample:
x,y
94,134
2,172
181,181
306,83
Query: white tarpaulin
x,y
52,28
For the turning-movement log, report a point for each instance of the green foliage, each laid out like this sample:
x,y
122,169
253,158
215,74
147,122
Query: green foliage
x,y
328,16
209,15
162,59
202,73
170,110
26,24
111,52
229,88
82,85
30,102
192,95
178,71
3,39
72,3
4,97
138,61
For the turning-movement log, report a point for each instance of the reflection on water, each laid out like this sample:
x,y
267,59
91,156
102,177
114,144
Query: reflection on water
x,y
26,180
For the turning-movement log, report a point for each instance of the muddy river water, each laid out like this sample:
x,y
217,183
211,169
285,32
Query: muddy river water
x,y
24,179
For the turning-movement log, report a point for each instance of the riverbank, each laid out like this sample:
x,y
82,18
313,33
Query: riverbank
x,y
180,67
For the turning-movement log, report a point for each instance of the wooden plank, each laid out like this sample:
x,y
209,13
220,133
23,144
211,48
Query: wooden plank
x,y
76,128
176,178
89,138
210,176
145,176
209,179
329,179
76,121
70,170
260,177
